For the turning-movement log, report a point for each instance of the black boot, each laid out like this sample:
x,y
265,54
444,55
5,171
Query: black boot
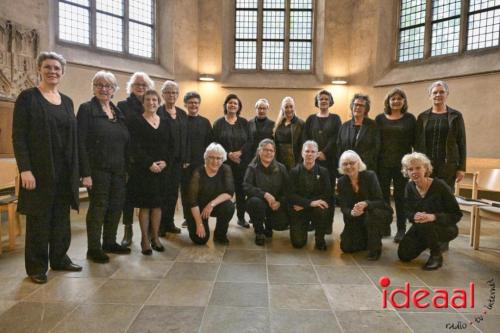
x,y
399,235
260,239
127,235
320,244
374,255
434,262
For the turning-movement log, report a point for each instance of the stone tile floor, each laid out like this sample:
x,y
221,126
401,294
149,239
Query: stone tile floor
x,y
244,288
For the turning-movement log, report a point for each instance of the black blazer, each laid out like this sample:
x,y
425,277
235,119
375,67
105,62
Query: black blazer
x,y
131,108
265,133
184,142
366,144
33,151
305,186
369,189
259,180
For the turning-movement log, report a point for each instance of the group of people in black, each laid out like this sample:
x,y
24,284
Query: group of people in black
x,y
288,174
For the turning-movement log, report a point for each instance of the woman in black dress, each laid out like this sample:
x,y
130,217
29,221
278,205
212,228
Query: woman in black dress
x,y
365,212
132,108
265,184
397,136
210,193
44,136
431,209
288,134
233,133
102,141
151,150
440,134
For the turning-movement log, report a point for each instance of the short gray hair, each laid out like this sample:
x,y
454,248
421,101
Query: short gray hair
x,y
265,142
144,76
410,159
310,143
50,55
169,84
353,156
262,101
108,77
363,97
217,148
438,83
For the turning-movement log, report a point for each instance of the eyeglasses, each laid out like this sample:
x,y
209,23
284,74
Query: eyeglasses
x,y
140,85
351,163
267,150
103,86
215,158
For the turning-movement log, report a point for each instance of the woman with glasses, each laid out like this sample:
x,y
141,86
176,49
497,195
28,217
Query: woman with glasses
x,y
210,192
103,139
265,184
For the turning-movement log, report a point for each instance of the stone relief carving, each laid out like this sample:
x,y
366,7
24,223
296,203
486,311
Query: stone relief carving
x,y
18,52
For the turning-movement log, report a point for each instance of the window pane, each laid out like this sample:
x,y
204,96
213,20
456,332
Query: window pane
x,y
140,40
300,56
445,37
482,4
110,6
246,24
411,44
141,10
484,30
412,13
300,25
80,2
442,9
246,4
245,55
274,25
73,23
109,32
272,55
301,4
274,4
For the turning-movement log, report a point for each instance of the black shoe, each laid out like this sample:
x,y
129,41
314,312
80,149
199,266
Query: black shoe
x,y
39,278
157,246
70,267
444,246
172,230
268,233
374,255
242,223
260,239
399,236
127,235
433,263
184,224
320,244
115,248
147,252
97,256
221,240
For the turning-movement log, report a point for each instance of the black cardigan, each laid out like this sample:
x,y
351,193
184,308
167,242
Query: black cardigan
x,y
305,186
259,180
266,131
326,138
297,127
131,108
183,141
33,151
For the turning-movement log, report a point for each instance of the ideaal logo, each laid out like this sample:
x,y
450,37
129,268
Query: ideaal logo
x,y
438,298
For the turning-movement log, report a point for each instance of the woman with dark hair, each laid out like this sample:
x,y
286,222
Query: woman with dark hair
x,y
132,110
232,132
44,136
366,215
265,185
288,134
360,133
151,150
440,134
431,209
103,139
397,135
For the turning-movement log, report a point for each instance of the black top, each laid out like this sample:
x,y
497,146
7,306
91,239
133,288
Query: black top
x,y
366,142
396,138
234,137
60,124
131,108
178,132
305,185
435,138
323,130
260,129
280,136
369,191
259,180
203,189
102,142
438,200
200,135
283,134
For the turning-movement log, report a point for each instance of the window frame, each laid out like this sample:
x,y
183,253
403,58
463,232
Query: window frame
x,y
92,46
286,41
463,35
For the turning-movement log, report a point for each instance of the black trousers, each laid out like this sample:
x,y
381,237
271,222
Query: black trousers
x,y
238,175
299,224
128,208
223,212
264,218
385,176
186,175
446,172
107,196
423,236
173,178
48,237
364,232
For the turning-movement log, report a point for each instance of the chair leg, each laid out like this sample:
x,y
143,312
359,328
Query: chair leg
x,y
0,231
12,226
477,230
472,225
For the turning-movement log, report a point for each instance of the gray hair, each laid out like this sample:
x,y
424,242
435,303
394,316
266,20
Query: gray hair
x,y
150,83
264,143
217,148
262,101
310,143
108,77
413,158
168,85
50,55
438,83
353,156
363,97
191,94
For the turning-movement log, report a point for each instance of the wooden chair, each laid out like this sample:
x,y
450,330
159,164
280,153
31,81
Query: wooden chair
x,y
8,203
488,180
467,204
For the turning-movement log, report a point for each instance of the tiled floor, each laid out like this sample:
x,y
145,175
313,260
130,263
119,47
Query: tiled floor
x,y
244,288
